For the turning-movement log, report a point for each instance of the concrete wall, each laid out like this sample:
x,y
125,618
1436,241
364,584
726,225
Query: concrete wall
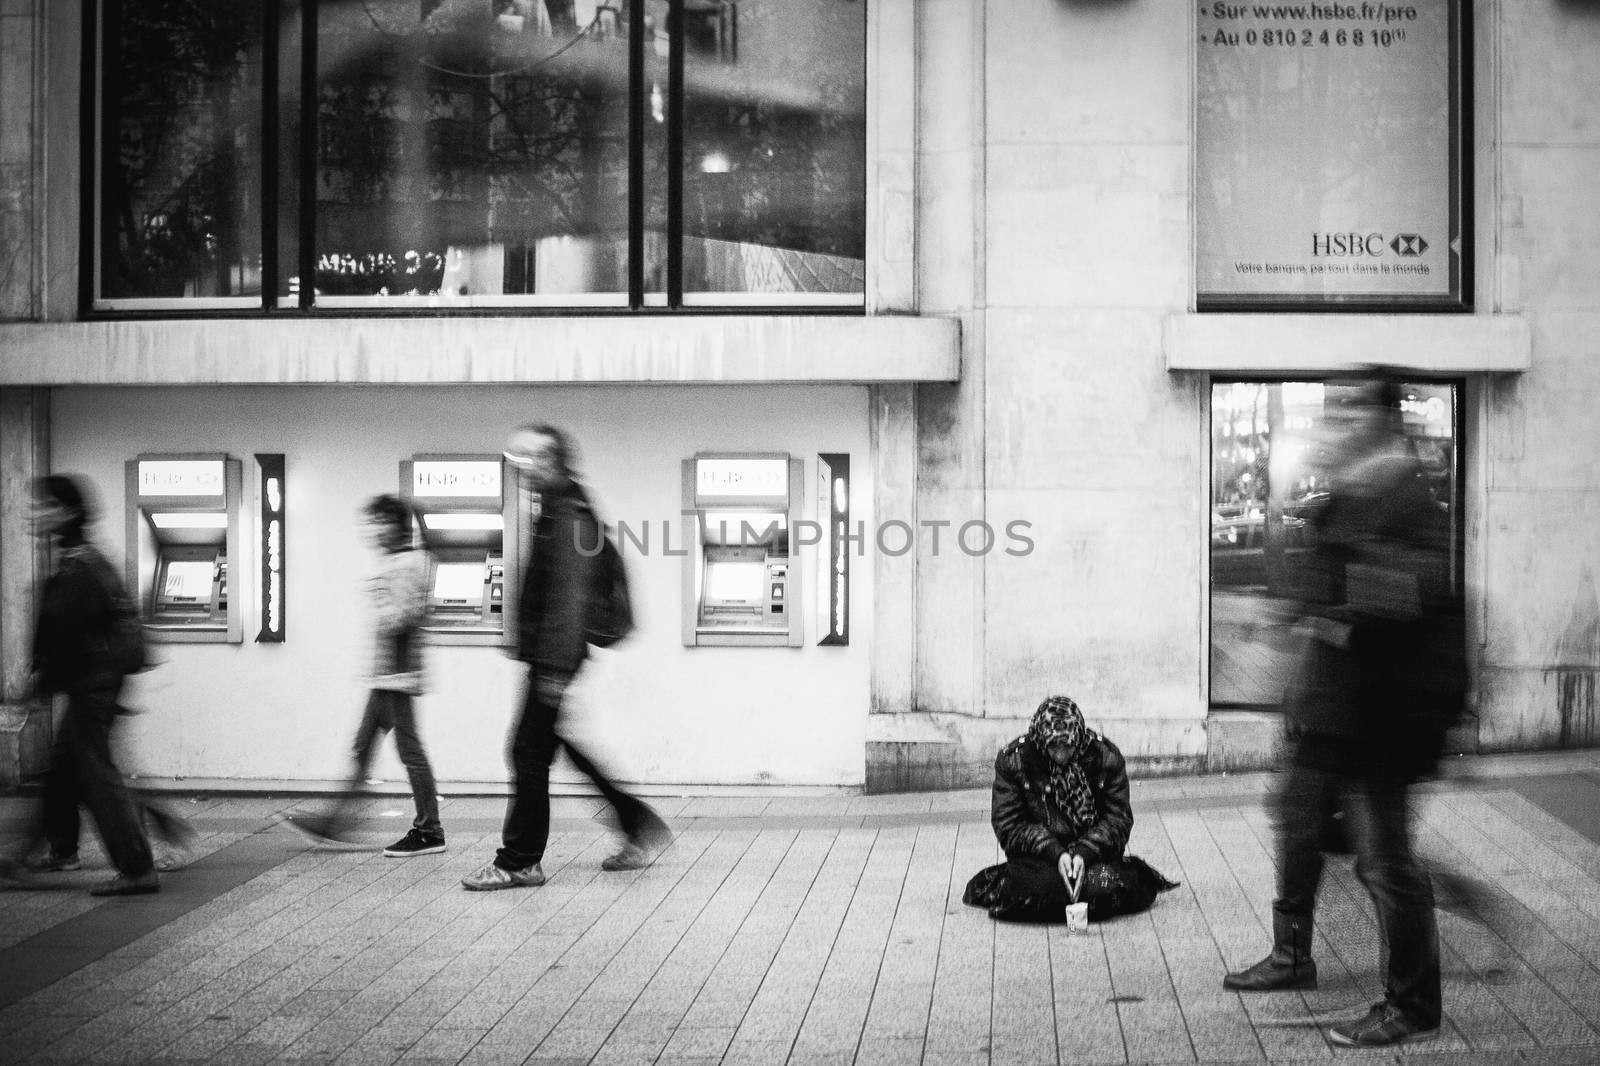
x,y
1054,184
1541,550
1086,430
664,714
1029,179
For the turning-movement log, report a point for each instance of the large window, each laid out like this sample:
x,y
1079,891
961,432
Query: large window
x,y
1268,480
298,154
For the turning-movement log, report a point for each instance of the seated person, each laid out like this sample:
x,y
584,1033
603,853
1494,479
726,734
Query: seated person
x,y
1062,815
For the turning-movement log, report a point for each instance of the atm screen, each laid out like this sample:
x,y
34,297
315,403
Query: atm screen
x,y
460,583
735,581
188,581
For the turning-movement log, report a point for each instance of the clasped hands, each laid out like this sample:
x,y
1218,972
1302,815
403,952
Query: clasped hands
x,y
1070,867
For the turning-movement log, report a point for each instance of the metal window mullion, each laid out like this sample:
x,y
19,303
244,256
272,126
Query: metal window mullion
x,y
636,153
1462,152
92,155
675,111
271,17
110,120
307,259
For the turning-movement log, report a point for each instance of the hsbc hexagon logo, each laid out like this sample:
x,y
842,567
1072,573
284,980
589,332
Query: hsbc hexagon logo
x,y
1408,245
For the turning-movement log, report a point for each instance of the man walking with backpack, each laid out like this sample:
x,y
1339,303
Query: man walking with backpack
x,y
554,627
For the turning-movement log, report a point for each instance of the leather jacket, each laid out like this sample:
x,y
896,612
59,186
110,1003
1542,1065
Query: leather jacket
x,y
1027,828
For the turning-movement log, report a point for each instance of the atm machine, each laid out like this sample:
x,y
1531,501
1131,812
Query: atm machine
x,y
184,528
465,515
741,572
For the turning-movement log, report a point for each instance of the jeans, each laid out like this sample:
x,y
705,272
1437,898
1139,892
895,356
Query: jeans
x,y
535,740
388,711
82,771
1378,822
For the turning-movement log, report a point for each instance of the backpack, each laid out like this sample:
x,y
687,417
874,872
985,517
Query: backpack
x,y
125,645
608,616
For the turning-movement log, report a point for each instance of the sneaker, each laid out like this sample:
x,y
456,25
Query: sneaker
x,y
491,877
172,857
316,830
122,885
50,862
633,855
1383,1026
178,832
414,843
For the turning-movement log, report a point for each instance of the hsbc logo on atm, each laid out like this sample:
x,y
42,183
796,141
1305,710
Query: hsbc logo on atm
x,y
181,477
455,478
1366,245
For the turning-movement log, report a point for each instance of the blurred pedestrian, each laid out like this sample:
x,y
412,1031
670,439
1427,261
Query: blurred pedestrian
x,y
173,838
1062,815
397,598
1380,679
86,641
557,588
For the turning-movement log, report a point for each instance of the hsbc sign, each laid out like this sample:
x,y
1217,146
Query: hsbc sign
x,y
1351,196
1370,245
1408,245
1346,244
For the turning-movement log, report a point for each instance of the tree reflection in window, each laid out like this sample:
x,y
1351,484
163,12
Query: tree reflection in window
x,y
473,148
181,154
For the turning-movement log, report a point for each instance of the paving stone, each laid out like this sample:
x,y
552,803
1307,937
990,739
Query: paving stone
x,y
824,929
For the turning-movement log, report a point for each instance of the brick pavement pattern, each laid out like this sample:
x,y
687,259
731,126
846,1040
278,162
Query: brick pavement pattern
x,y
790,929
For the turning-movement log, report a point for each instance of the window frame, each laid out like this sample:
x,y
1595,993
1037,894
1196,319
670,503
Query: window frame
x,y
1463,449
96,149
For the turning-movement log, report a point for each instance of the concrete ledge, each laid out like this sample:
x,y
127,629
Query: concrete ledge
x,y
1272,343
910,753
738,349
24,742
1243,740
930,752
1254,740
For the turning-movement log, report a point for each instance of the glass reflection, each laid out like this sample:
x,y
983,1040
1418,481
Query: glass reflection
x,y
774,146
180,160
471,149
1273,449
476,152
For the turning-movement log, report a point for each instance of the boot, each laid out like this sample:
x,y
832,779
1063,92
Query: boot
x,y
1289,964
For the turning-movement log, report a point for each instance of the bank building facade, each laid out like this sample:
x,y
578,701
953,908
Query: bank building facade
x,y
925,358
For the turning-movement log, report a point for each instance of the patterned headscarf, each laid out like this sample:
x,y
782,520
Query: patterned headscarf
x,y
1059,724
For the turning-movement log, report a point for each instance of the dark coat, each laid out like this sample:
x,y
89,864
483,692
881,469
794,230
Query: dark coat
x,y
1026,828
1379,704
556,584
77,608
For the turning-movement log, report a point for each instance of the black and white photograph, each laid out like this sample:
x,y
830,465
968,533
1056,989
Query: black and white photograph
x,y
799,532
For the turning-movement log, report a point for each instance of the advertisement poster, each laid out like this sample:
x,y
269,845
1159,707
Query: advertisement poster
x,y
1327,153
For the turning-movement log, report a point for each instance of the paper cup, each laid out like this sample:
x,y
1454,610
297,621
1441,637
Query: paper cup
x,y
1077,917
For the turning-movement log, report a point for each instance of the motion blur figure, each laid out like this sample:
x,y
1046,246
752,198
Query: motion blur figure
x,y
397,602
74,654
1380,680
557,588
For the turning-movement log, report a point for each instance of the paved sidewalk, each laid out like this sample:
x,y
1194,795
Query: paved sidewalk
x,y
818,929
